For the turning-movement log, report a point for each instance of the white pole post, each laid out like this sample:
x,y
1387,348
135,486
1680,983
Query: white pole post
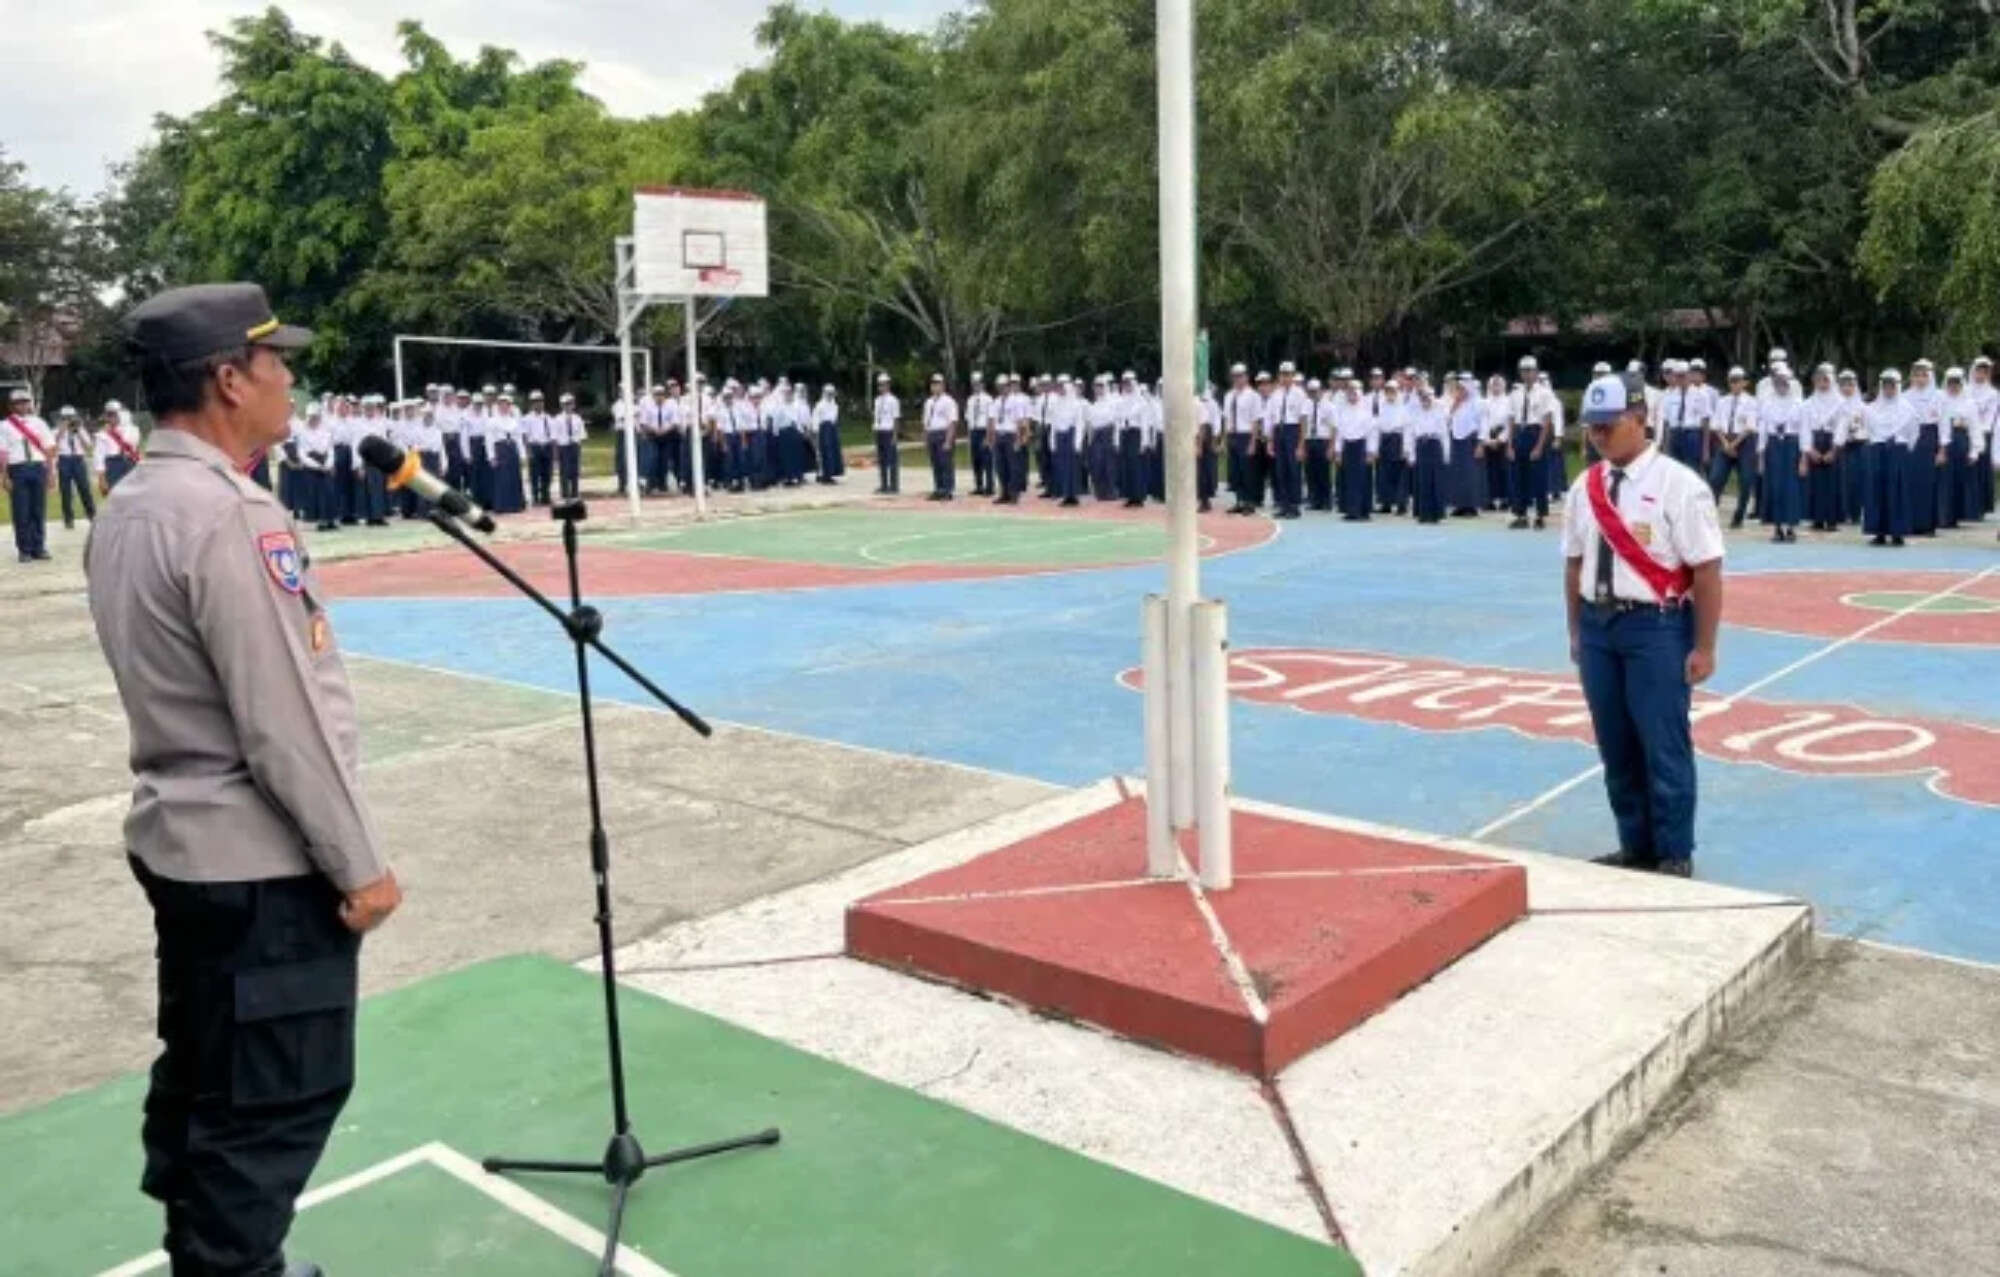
x,y
1175,37
1209,627
628,308
694,432
399,367
1162,856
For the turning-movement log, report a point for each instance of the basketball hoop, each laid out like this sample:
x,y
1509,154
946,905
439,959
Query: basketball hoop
x,y
721,278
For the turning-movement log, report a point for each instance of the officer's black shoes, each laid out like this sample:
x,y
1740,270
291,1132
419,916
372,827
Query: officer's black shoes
x,y
1519,522
1626,860
1675,868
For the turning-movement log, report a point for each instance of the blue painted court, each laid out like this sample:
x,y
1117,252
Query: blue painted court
x,y
1858,767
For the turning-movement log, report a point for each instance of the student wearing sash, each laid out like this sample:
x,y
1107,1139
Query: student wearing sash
x,y
117,447
1642,551
74,446
30,450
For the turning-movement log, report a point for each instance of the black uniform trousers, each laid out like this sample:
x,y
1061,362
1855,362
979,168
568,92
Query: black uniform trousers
x,y
256,1019
73,473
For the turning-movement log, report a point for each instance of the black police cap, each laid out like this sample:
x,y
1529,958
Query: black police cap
x,y
188,323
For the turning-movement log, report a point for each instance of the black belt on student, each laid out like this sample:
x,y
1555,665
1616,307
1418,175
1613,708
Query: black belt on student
x,y
1618,607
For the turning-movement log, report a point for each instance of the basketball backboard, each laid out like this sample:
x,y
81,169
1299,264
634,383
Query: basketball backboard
x,y
692,243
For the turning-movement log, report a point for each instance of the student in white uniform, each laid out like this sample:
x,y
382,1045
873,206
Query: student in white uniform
x,y
1208,427
1733,449
1103,419
1284,418
1892,429
1242,414
74,446
1927,454
980,412
1066,415
1319,437
316,470
1424,431
1465,423
117,447
826,431
567,432
1961,427
1642,575
1821,434
888,467
1355,430
1010,448
541,450
1780,423
1531,423
940,438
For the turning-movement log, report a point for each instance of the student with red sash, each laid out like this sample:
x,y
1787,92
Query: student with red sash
x,y
1642,551
29,448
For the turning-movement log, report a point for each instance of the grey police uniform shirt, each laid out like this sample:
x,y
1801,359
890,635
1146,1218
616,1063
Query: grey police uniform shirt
x,y
245,745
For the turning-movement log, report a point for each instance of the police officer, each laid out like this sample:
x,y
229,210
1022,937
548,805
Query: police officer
x,y
247,830
1642,551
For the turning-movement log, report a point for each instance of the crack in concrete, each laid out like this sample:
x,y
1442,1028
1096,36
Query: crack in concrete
x,y
1620,1216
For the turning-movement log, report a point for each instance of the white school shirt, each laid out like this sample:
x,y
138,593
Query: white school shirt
x,y
1531,405
1152,421
1498,413
1319,418
980,410
1066,413
1104,412
74,441
1014,409
940,414
1927,402
568,427
1286,406
1420,422
775,414
1853,418
316,446
743,417
887,409
1468,420
1209,412
1779,417
1891,421
1681,408
1736,416
826,410
1822,412
1961,411
1355,422
1667,507
472,425
1243,410
535,427
108,439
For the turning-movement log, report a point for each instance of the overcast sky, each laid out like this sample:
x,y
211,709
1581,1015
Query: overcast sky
x,y
82,79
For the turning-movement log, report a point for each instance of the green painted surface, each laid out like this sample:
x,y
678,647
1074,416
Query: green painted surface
x,y
1921,601
507,1057
440,1225
890,538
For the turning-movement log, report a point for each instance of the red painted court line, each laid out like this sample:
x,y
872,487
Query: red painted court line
x,y
1812,604
614,572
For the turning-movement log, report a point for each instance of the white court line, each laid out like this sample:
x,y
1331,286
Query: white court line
x,y
868,550
1239,974
1544,799
1023,893
462,1168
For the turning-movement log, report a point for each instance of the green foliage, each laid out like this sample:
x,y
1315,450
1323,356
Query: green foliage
x,y
1379,180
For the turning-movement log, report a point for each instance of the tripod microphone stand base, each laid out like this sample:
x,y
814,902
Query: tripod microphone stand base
x,y
624,1164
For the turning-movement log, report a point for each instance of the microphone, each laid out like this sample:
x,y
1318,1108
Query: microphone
x,y
406,470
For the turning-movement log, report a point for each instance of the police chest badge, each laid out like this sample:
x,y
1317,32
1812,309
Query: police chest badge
x,y
280,553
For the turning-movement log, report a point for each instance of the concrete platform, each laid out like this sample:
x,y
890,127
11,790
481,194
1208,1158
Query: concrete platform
x,y
1425,1140
1323,928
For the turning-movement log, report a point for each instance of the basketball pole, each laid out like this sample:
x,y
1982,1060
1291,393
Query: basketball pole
x,y
630,305
692,430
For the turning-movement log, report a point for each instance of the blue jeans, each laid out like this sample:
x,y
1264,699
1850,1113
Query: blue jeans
x,y
1634,671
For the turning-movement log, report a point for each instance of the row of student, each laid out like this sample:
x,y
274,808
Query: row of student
x,y
77,452
479,441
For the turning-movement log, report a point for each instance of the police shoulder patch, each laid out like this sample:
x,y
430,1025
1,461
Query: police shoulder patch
x,y
280,552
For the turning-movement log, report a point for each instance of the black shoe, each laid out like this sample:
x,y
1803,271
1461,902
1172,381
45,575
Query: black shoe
x,y
1203,507
1736,523
1540,524
41,556
1683,868
1070,501
27,558
1879,541
1520,521
1895,540
1626,860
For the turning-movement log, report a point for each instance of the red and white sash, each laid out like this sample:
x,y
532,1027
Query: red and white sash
x,y
1669,585
126,449
35,441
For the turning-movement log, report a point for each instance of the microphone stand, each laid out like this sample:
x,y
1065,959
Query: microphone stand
x,y
624,1161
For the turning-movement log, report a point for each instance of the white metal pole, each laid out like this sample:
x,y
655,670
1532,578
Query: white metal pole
x,y
694,433
399,369
629,305
1162,857
1209,629
1175,36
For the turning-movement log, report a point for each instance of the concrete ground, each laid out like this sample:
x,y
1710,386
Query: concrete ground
x,y
1854,1127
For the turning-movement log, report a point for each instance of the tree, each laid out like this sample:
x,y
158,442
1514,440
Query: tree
x,y
47,290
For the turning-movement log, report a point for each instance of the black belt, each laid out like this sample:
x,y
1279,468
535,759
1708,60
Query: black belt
x,y
1618,607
